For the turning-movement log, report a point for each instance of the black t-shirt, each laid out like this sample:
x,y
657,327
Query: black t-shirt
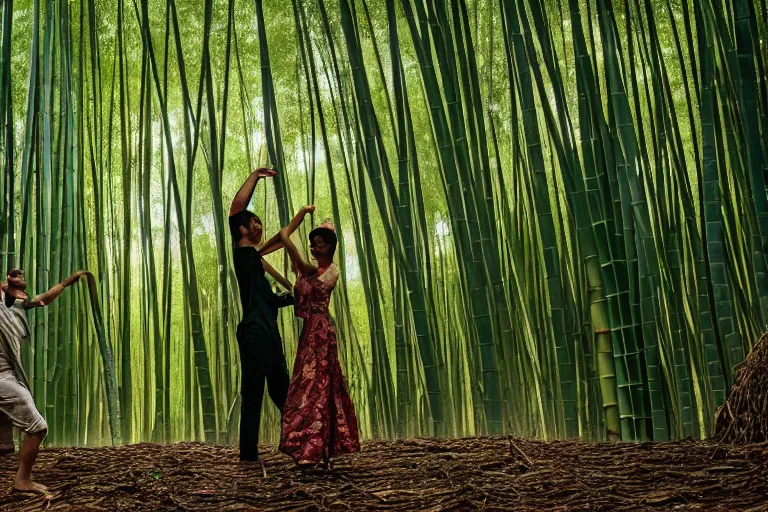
x,y
257,299
250,273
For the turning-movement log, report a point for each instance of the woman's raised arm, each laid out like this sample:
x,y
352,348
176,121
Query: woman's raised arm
x,y
305,267
275,242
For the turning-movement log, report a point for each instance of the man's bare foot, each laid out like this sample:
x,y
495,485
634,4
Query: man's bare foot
x,y
29,486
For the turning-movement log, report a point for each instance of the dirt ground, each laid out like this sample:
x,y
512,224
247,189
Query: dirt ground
x,y
496,473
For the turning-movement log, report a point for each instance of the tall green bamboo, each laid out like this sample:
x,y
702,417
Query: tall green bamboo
x,y
525,193
459,221
216,165
202,369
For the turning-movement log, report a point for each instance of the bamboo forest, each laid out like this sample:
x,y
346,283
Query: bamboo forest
x,y
552,214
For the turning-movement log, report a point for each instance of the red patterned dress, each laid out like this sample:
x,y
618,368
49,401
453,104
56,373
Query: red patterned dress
x,y
319,420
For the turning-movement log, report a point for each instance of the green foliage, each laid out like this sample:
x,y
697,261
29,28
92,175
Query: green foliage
x,y
552,215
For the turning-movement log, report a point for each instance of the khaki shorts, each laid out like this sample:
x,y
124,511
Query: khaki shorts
x,y
17,405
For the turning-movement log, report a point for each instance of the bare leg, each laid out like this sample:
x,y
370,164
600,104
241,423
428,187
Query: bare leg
x,y
27,455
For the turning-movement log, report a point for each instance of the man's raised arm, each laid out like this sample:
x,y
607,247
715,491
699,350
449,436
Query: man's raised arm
x,y
243,196
47,297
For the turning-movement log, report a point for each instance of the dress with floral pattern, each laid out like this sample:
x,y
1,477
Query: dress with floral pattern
x,y
319,420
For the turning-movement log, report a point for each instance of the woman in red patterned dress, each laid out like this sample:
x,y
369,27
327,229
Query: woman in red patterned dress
x,y
319,420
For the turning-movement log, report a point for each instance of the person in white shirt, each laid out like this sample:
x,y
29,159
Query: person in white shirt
x,y
17,408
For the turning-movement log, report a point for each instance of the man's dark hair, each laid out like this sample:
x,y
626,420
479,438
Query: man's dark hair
x,y
241,218
15,272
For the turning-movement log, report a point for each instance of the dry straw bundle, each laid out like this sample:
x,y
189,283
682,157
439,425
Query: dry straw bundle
x,y
743,418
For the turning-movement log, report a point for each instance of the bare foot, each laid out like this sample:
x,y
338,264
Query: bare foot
x,y
29,486
307,464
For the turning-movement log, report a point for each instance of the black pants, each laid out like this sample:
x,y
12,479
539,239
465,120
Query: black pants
x,y
259,364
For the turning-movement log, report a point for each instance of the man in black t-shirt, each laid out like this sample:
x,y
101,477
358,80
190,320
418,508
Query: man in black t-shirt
x,y
261,348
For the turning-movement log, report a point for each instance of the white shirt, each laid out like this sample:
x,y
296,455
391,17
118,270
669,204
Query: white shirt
x,y
13,328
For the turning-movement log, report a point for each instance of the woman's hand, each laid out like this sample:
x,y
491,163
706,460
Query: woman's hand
x,y
278,240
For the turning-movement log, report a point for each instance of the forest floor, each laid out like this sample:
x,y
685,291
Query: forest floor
x,y
491,473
